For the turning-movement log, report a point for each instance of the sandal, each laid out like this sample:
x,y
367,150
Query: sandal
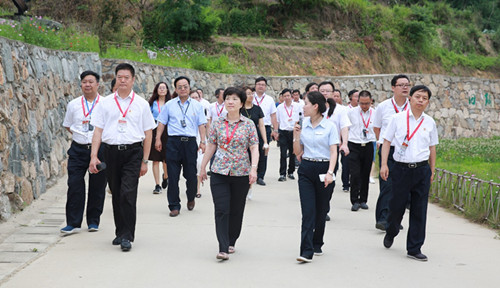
x,y
231,249
222,256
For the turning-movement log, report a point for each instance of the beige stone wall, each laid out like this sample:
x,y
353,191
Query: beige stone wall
x,y
36,84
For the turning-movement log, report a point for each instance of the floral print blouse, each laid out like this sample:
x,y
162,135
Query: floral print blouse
x,y
232,158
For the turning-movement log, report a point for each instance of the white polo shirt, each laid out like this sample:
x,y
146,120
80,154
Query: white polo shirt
x,y
384,113
78,114
288,115
266,103
216,111
206,105
138,119
418,146
300,102
339,117
360,120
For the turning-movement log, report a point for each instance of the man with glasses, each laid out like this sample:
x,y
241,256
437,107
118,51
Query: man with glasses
x,y
184,118
385,110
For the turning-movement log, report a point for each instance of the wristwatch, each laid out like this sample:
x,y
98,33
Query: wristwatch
x,y
330,172
203,142
145,161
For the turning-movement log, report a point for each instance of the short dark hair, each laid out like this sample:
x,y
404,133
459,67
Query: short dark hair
x,y
308,86
296,91
365,93
327,83
87,73
397,77
337,90
180,78
260,79
125,66
113,83
217,91
285,91
199,89
238,92
421,87
349,94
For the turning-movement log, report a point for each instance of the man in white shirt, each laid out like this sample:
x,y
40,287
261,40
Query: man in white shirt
x,y
414,136
288,114
385,110
296,98
217,109
123,125
77,122
266,103
353,98
360,145
203,101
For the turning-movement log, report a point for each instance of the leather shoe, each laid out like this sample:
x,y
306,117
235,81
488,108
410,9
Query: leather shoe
x,y
388,241
380,226
174,213
117,240
327,218
363,206
126,245
290,176
261,182
190,205
418,256
355,207
282,178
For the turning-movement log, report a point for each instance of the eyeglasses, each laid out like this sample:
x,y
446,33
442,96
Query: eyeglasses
x,y
325,91
185,87
403,85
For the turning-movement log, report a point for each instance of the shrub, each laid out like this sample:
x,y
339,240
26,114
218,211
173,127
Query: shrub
x,y
248,21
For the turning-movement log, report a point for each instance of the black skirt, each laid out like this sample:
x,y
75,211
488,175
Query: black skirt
x,y
154,155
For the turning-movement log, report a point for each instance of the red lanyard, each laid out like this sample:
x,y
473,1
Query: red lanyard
x,y
408,136
396,108
257,101
157,102
91,109
363,118
217,109
291,111
229,138
119,107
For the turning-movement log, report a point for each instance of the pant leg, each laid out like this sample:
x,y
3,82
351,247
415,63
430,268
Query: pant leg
x,y
354,161
283,151
174,160
307,193
128,198
291,160
382,209
190,155
113,175
323,196
221,195
418,209
401,186
96,194
262,165
77,167
239,190
366,168
345,172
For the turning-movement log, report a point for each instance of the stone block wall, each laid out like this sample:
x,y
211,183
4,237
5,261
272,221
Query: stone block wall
x,y
37,83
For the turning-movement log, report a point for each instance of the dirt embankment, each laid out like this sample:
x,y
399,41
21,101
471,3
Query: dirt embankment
x,y
320,58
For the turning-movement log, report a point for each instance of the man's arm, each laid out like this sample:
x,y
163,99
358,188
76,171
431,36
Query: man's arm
x,y
274,121
384,169
146,148
377,135
96,143
345,137
202,131
432,161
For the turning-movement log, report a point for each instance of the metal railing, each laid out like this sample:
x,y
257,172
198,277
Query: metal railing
x,y
479,200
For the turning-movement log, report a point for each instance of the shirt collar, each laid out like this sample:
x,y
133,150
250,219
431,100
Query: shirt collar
x,y
322,123
411,114
241,118
129,95
179,100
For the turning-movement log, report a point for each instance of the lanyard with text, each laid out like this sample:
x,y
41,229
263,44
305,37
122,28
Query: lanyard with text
x,y
183,121
363,118
408,136
159,108
257,101
289,114
219,111
229,138
396,108
122,123
87,104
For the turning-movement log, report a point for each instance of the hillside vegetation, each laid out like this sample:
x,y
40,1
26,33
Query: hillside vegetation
x,y
286,37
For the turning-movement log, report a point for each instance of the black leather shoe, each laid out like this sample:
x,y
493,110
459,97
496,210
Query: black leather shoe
x,y
260,181
388,241
117,241
126,245
291,177
327,218
418,256
164,183
355,207
363,206
282,178
380,226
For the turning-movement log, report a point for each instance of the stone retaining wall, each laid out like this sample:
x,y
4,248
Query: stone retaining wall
x,y
37,83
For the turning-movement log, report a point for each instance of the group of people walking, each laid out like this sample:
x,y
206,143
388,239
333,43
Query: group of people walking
x,y
115,137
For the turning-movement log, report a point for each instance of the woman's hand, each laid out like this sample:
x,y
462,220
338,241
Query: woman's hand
x,y
328,179
253,176
203,174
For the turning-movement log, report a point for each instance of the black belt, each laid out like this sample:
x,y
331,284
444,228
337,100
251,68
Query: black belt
x,y
184,138
84,146
124,146
359,144
316,159
412,165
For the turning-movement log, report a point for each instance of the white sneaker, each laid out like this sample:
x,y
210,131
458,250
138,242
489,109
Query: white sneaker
x,y
249,194
372,181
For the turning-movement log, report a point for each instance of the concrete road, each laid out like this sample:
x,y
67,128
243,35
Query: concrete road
x,y
181,251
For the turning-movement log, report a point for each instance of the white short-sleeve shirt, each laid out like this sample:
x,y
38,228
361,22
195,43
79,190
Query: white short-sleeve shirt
x,y
356,116
217,111
78,115
288,115
384,113
266,103
339,117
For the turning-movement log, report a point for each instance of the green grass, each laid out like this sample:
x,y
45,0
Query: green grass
x,y
477,157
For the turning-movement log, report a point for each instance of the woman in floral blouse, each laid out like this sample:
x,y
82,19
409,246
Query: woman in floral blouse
x,y
230,138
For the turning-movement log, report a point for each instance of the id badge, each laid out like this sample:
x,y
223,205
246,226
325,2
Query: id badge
x,y
290,120
364,134
183,123
85,125
220,153
402,150
122,125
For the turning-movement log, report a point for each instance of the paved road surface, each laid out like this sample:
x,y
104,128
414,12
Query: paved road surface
x,y
181,251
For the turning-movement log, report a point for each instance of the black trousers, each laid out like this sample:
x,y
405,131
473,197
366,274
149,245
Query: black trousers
x,y
414,183
315,204
360,165
181,155
229,195
262,165
345,171
382,209
78,165
123,170
286,148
